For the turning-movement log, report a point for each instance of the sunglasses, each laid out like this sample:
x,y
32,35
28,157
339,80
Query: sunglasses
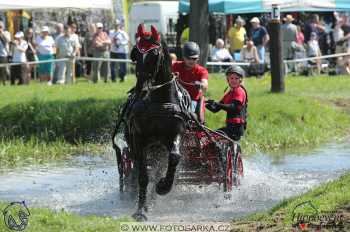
x,y
192,58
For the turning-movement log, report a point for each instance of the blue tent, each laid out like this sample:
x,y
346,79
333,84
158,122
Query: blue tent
x,y
254,6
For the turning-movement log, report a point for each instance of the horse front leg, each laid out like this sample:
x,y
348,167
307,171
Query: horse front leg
x,y
140,214
166,183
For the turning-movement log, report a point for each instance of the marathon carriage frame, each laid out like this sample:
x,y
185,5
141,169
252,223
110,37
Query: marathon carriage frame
x,y
207,157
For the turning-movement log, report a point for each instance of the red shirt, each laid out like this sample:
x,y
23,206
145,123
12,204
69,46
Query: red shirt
x,y
197,73
237,94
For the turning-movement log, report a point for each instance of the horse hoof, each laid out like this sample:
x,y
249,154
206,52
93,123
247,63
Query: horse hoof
x,y
140,217
163,187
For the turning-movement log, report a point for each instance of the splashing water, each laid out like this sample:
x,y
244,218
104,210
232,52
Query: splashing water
x,y
89,185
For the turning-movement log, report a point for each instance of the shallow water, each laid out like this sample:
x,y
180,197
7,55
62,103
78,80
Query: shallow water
x,y
89,185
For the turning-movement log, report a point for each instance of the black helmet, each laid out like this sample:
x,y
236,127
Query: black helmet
x,y
235,69
190,50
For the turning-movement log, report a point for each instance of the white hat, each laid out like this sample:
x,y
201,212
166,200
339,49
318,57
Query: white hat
x,y
45,28
117,22
255,20
19,34
99,25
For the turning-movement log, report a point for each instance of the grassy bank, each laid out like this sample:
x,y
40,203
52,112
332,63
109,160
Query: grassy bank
x,y
41,122
48,220
331,200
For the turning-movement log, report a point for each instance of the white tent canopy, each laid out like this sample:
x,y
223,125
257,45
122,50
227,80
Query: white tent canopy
x,y
49,4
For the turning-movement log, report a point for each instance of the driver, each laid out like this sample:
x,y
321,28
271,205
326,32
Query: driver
x,y
234,102
192,76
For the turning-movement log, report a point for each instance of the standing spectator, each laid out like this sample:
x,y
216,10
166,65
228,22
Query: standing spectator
x,y
236,36
19,47
101,43
119,50
88,49
67,47
45,46
185,35
260,37
30,53
77,66
3,53
289,36
300,36
59,31
313,26
313,50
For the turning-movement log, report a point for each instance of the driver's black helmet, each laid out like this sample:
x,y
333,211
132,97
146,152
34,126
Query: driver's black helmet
x,y
190,50
235,69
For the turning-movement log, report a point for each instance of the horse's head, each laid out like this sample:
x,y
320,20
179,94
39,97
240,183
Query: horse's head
x,y
147,53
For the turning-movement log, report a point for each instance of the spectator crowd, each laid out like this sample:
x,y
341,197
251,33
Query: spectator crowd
x,y
243,43
313,38
64,44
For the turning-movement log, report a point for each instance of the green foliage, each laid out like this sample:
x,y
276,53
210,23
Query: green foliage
x,y
48,220
79,116
327,198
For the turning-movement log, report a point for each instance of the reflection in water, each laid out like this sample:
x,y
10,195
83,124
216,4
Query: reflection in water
x,y
89,185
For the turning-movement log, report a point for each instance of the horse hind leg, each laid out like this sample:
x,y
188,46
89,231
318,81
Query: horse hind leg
x,y
165,184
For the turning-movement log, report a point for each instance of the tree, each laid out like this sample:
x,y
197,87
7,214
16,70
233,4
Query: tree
x,y
199,25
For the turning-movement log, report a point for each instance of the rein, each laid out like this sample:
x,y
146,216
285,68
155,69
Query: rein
x,y
155,87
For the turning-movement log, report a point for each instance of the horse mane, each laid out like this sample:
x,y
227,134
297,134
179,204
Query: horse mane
x,y
166,64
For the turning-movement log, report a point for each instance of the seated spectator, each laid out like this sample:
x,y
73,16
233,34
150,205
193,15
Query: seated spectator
x,y
19,48
313,50
343,66
249,53
220,53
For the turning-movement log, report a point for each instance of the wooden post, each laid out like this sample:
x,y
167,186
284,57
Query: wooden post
x,y
276,58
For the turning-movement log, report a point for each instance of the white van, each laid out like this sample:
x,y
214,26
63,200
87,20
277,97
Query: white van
x,y
161,14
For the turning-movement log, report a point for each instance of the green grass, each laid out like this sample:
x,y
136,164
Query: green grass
x,y
43,122
328,198
48,220
295,119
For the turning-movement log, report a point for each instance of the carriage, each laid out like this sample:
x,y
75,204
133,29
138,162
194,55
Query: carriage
x,y
207,157
156,130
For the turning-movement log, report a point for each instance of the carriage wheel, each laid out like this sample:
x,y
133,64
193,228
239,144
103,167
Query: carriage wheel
x,y
237,167
129,185
228,169
234,167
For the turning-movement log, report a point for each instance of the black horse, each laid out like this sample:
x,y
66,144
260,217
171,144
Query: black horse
x,y
157,112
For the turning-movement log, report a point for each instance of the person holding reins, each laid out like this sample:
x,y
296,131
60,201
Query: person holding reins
x,y
192,76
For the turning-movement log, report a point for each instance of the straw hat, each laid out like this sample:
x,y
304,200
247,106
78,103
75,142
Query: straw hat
x,y
289,18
